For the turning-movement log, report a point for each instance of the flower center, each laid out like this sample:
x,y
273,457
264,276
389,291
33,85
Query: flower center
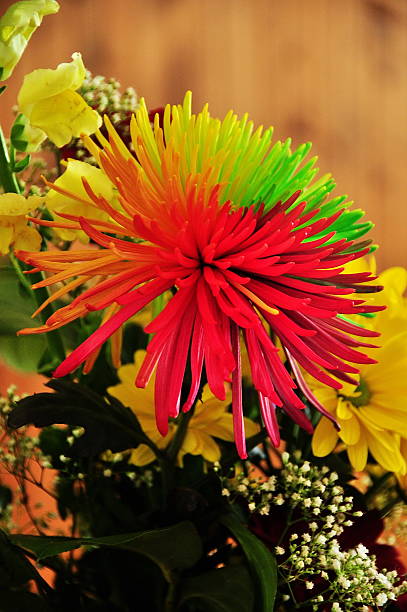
x,y
364,395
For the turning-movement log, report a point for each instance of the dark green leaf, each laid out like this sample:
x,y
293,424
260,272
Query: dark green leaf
x,y
15,569
3,87
222,590
6,497
261,562
17,138
108,424
158,545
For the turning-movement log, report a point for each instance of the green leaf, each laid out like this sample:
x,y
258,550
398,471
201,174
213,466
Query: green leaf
x,y
23,352
108,424
4,86
22,164
16,570
172,548
16,306
220,590
261,562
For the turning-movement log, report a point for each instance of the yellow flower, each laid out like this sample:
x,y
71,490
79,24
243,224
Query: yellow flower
x,y
49,100
17,25
14,230
402,478
373,414
71,181
210,419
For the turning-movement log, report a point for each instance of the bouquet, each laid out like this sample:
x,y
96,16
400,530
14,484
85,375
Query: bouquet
x,y
222,425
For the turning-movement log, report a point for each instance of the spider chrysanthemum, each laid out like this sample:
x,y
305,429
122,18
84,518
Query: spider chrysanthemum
x,y
211,211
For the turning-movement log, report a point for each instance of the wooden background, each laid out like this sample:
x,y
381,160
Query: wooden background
x,y
330,71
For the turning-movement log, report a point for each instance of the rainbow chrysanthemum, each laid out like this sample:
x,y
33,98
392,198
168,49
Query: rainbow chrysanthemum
x,y
212,211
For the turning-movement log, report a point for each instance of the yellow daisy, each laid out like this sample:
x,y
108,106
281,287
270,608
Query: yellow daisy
x,y
210,420
372,415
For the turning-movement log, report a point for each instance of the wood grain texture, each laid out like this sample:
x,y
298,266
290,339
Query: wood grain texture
x,y
330,71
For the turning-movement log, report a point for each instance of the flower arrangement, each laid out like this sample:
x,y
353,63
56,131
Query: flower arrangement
x,y
224,421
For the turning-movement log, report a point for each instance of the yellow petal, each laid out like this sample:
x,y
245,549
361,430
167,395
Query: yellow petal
x,y
357,453
324,438
200,443
344,409
71,181
222,428
325,395
6,236
28,239
251,428
49,101
192,442
349,430
13,204
16,28
394,281
65,116
393,420
142,455
45,83
210,449
385,448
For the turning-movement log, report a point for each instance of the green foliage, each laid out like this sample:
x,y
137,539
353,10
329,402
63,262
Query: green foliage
x,y
108,424
261,562
219,590
16,307
157,545
16,572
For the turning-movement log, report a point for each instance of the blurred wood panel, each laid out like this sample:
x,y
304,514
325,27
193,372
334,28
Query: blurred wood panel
x,y
330,71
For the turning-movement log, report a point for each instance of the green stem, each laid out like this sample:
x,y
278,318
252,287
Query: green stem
x,y
20,275
179,435
171,594
7,177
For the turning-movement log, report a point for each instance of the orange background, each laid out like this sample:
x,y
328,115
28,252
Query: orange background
x,y
330,71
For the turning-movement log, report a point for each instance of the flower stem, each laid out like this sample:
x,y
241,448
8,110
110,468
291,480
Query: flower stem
x,y
7,177
170,599
179,435
10,184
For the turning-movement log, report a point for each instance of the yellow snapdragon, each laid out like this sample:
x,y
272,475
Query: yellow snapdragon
x,y
14,230
49,100
16,28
